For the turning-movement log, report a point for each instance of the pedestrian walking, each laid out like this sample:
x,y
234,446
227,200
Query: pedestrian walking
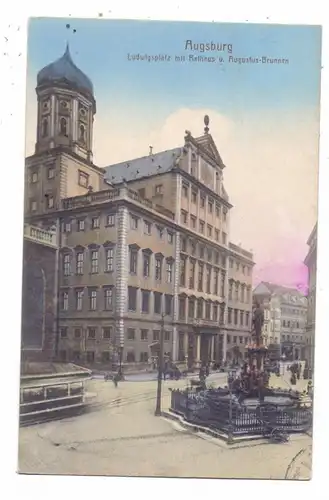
x,y
116,379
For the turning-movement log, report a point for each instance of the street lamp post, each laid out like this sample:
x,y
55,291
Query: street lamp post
x,y
160,369
230,377
120,361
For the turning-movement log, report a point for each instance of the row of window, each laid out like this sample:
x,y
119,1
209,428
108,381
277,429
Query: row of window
x,y
246,270
144,335
234,339
242,292
63,128
93,333
94,257
194,196
289,312
200,309
94,299
237,317
136,221
49,199
140,300
109,220
148,262
34,176
105,356
137,300
90,333
203,252
203,228
290,324
284,324
203,278
95,222
293,337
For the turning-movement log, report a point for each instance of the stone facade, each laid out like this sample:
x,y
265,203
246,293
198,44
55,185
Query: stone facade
x,y
285,319
239,294
138,241
39,305
117,274
310,262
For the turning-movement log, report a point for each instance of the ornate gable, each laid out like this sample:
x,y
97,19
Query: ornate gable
x,y
208,145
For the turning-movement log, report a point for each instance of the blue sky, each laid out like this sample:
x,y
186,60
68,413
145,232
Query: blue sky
x,y
263,118
100,48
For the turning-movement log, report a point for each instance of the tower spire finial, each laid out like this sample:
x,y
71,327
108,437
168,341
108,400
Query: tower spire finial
x,y
67,49
206,122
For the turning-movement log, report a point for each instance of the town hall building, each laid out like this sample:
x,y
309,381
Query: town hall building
x,y
132,244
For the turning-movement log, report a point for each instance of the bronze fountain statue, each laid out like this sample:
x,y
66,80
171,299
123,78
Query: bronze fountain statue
x,y
253,378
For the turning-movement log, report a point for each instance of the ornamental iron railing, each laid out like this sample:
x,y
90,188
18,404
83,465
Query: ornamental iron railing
x,y
219,410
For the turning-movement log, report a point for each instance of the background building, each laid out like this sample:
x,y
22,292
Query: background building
x,y
310,262
238,322
285,318
39,290
137,241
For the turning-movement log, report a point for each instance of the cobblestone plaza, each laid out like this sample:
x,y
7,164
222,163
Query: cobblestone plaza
x,y
121,436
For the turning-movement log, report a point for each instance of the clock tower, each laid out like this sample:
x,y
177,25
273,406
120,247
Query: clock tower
x,y
62,165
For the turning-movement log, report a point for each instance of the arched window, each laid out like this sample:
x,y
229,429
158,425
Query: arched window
x,y
63,126
82,136
44,131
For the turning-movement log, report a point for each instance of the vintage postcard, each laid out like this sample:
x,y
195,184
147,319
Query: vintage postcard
x,y
170,239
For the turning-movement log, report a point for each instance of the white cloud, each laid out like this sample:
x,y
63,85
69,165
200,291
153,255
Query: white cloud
x,y
271,174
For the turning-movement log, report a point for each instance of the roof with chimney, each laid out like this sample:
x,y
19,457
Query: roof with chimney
x,y
146,166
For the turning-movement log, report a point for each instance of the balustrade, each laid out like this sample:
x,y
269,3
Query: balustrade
x,y
111,194
40,235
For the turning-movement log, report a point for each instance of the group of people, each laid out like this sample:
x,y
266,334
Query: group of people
x,y
296,372
249,380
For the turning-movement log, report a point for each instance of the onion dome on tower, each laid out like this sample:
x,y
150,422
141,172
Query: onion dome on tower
x,y
64,72
66,108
